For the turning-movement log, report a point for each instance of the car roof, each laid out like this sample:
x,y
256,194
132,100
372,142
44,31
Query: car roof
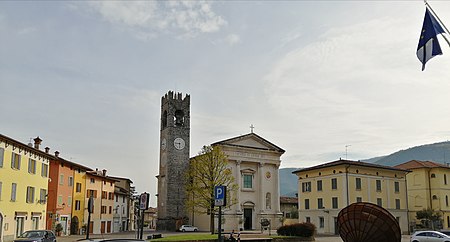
x,y
429,231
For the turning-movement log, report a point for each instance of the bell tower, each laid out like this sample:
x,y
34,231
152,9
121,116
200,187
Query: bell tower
x,y
173,160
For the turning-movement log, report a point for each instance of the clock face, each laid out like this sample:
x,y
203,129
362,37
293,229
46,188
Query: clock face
x,y
163,144
179,143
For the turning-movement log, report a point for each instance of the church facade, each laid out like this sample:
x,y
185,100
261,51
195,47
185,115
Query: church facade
x,y
254,162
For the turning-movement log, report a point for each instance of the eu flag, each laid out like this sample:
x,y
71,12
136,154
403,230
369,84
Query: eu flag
x,y
428,43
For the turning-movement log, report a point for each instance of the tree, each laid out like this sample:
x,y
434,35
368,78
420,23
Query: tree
x,y
428,215
206,171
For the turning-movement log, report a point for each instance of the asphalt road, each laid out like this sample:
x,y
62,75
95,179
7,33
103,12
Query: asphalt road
x,y
72,238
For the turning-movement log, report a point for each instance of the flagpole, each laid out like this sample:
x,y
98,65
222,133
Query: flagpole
x,y
448,32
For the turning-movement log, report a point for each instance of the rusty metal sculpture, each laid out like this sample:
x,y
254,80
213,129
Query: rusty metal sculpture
x,y
367,222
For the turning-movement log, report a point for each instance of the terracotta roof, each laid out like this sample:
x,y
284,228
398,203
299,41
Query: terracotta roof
x,y
414,164
9,140
351,163
98,174
289,200
72,163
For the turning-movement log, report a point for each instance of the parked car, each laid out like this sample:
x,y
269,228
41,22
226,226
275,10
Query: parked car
x,y
36,236
188,228
429,236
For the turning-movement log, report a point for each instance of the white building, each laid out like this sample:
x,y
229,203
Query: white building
x,y
254,162
122,204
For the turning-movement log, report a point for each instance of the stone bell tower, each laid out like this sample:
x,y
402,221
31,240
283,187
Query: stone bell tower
x,y
173,160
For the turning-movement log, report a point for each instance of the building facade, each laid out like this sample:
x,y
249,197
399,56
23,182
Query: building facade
x,y
289,208
101,188
79,201
122,204
24,174
254,162
62,187
325,189
428,188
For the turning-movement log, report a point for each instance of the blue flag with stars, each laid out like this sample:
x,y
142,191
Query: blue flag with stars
x,y
428,43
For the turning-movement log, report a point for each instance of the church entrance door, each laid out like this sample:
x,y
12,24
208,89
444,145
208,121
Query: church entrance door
x,y
248,218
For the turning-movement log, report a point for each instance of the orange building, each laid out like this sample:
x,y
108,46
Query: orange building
x,y
60,192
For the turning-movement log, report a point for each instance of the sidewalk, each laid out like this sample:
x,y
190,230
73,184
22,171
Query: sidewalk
x,y
127,234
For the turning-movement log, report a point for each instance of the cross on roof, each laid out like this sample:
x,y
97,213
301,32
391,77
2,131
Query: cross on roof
x,y
251,128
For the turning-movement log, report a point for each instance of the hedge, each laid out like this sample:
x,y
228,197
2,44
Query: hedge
x,y
299,229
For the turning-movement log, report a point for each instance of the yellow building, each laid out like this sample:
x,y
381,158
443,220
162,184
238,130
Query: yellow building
x,y
79,201
325,189
23,187
428,188
101,188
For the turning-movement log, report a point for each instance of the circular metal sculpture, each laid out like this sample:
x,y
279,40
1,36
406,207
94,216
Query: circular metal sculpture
x,y
367,222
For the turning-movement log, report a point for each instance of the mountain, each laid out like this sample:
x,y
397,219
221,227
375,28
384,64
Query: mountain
x,y
437,152
288,182
374,159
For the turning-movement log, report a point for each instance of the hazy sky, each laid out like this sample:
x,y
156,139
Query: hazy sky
x,y
312,76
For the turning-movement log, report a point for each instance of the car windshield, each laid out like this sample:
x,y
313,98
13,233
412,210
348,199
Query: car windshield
x,y
32,234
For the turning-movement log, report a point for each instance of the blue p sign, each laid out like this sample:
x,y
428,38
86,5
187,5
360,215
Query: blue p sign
x,y
220,196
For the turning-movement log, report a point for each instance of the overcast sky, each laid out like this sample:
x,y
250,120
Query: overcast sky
x,y
312,76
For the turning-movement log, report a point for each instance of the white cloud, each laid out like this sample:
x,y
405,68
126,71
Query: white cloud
x,y
233,39
149,18
358,85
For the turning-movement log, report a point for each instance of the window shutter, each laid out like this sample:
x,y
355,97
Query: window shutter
x,y
2,152
18,162
13,157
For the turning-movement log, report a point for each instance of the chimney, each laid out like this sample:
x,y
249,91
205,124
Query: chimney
x,y
57,153
37,142
47,150
104,172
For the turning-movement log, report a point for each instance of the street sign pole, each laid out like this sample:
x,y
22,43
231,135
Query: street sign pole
x,y
220,224
144,200
90,210
220,199
142,224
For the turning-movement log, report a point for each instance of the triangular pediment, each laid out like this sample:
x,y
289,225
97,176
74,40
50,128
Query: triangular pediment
x,y
251,140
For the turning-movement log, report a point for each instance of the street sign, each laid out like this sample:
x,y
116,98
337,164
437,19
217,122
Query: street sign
x,y
220,196
143,201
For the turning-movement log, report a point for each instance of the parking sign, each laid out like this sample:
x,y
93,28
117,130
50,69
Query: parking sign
x,y
220,196
144,200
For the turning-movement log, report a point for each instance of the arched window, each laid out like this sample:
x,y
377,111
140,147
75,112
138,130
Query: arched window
x,y
179,118
433,175
446,200
164,119
268,201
